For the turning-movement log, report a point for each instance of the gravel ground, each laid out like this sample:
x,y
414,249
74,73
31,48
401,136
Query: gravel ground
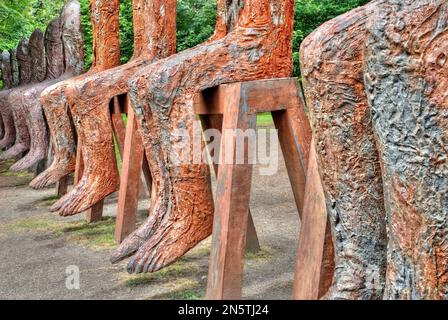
x,y
37,247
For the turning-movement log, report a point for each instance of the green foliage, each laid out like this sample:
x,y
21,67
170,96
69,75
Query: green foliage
x,y
310,14
18,18
195,21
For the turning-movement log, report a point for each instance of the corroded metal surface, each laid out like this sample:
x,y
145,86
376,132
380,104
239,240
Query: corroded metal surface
x,y
250,43
53,99
89,96
332,67
407,80
375,82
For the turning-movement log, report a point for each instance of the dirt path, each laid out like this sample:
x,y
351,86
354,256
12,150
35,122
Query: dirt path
x,y
37,247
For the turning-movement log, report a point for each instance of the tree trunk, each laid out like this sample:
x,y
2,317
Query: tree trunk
x,y
332,68
30,100
89,96
257,44
406,79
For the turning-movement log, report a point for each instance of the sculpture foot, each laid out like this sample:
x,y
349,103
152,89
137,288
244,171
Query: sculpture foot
x,y
177,224
53,174
34,156
6,142
14,151
86,194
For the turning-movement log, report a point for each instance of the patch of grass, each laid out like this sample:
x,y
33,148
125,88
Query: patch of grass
x,y
265,253
5,164
20,174
99,235
48,201
180,295
118,155
202,250
183,290
265,120
32,224
178,270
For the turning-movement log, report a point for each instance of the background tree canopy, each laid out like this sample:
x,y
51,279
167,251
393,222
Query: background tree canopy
x,y
195,21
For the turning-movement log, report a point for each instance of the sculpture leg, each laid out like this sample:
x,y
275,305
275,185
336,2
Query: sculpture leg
x,y
22,142
162,97
88,97
407,81
332,67
62,137
100,174
37,128
8,122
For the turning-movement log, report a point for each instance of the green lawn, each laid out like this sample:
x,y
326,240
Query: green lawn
x,y
265,120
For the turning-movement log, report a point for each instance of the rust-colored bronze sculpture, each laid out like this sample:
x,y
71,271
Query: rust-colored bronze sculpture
x,y
22,142
31,97
9,131
106,54
88,98
378,119
332,60
407,83
253,40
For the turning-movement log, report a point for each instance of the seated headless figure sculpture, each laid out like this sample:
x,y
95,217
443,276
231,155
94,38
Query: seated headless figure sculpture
x,y
399,150
332,68
406,81
38,71
24,59
63,34
88,98
9,131
74,65
252,41
30,99
53,99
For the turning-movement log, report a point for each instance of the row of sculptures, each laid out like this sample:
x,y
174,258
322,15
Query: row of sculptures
x,y
376,87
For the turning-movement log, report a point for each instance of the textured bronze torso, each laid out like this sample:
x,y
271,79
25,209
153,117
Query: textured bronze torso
x,y
406,80
378,118
332,60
